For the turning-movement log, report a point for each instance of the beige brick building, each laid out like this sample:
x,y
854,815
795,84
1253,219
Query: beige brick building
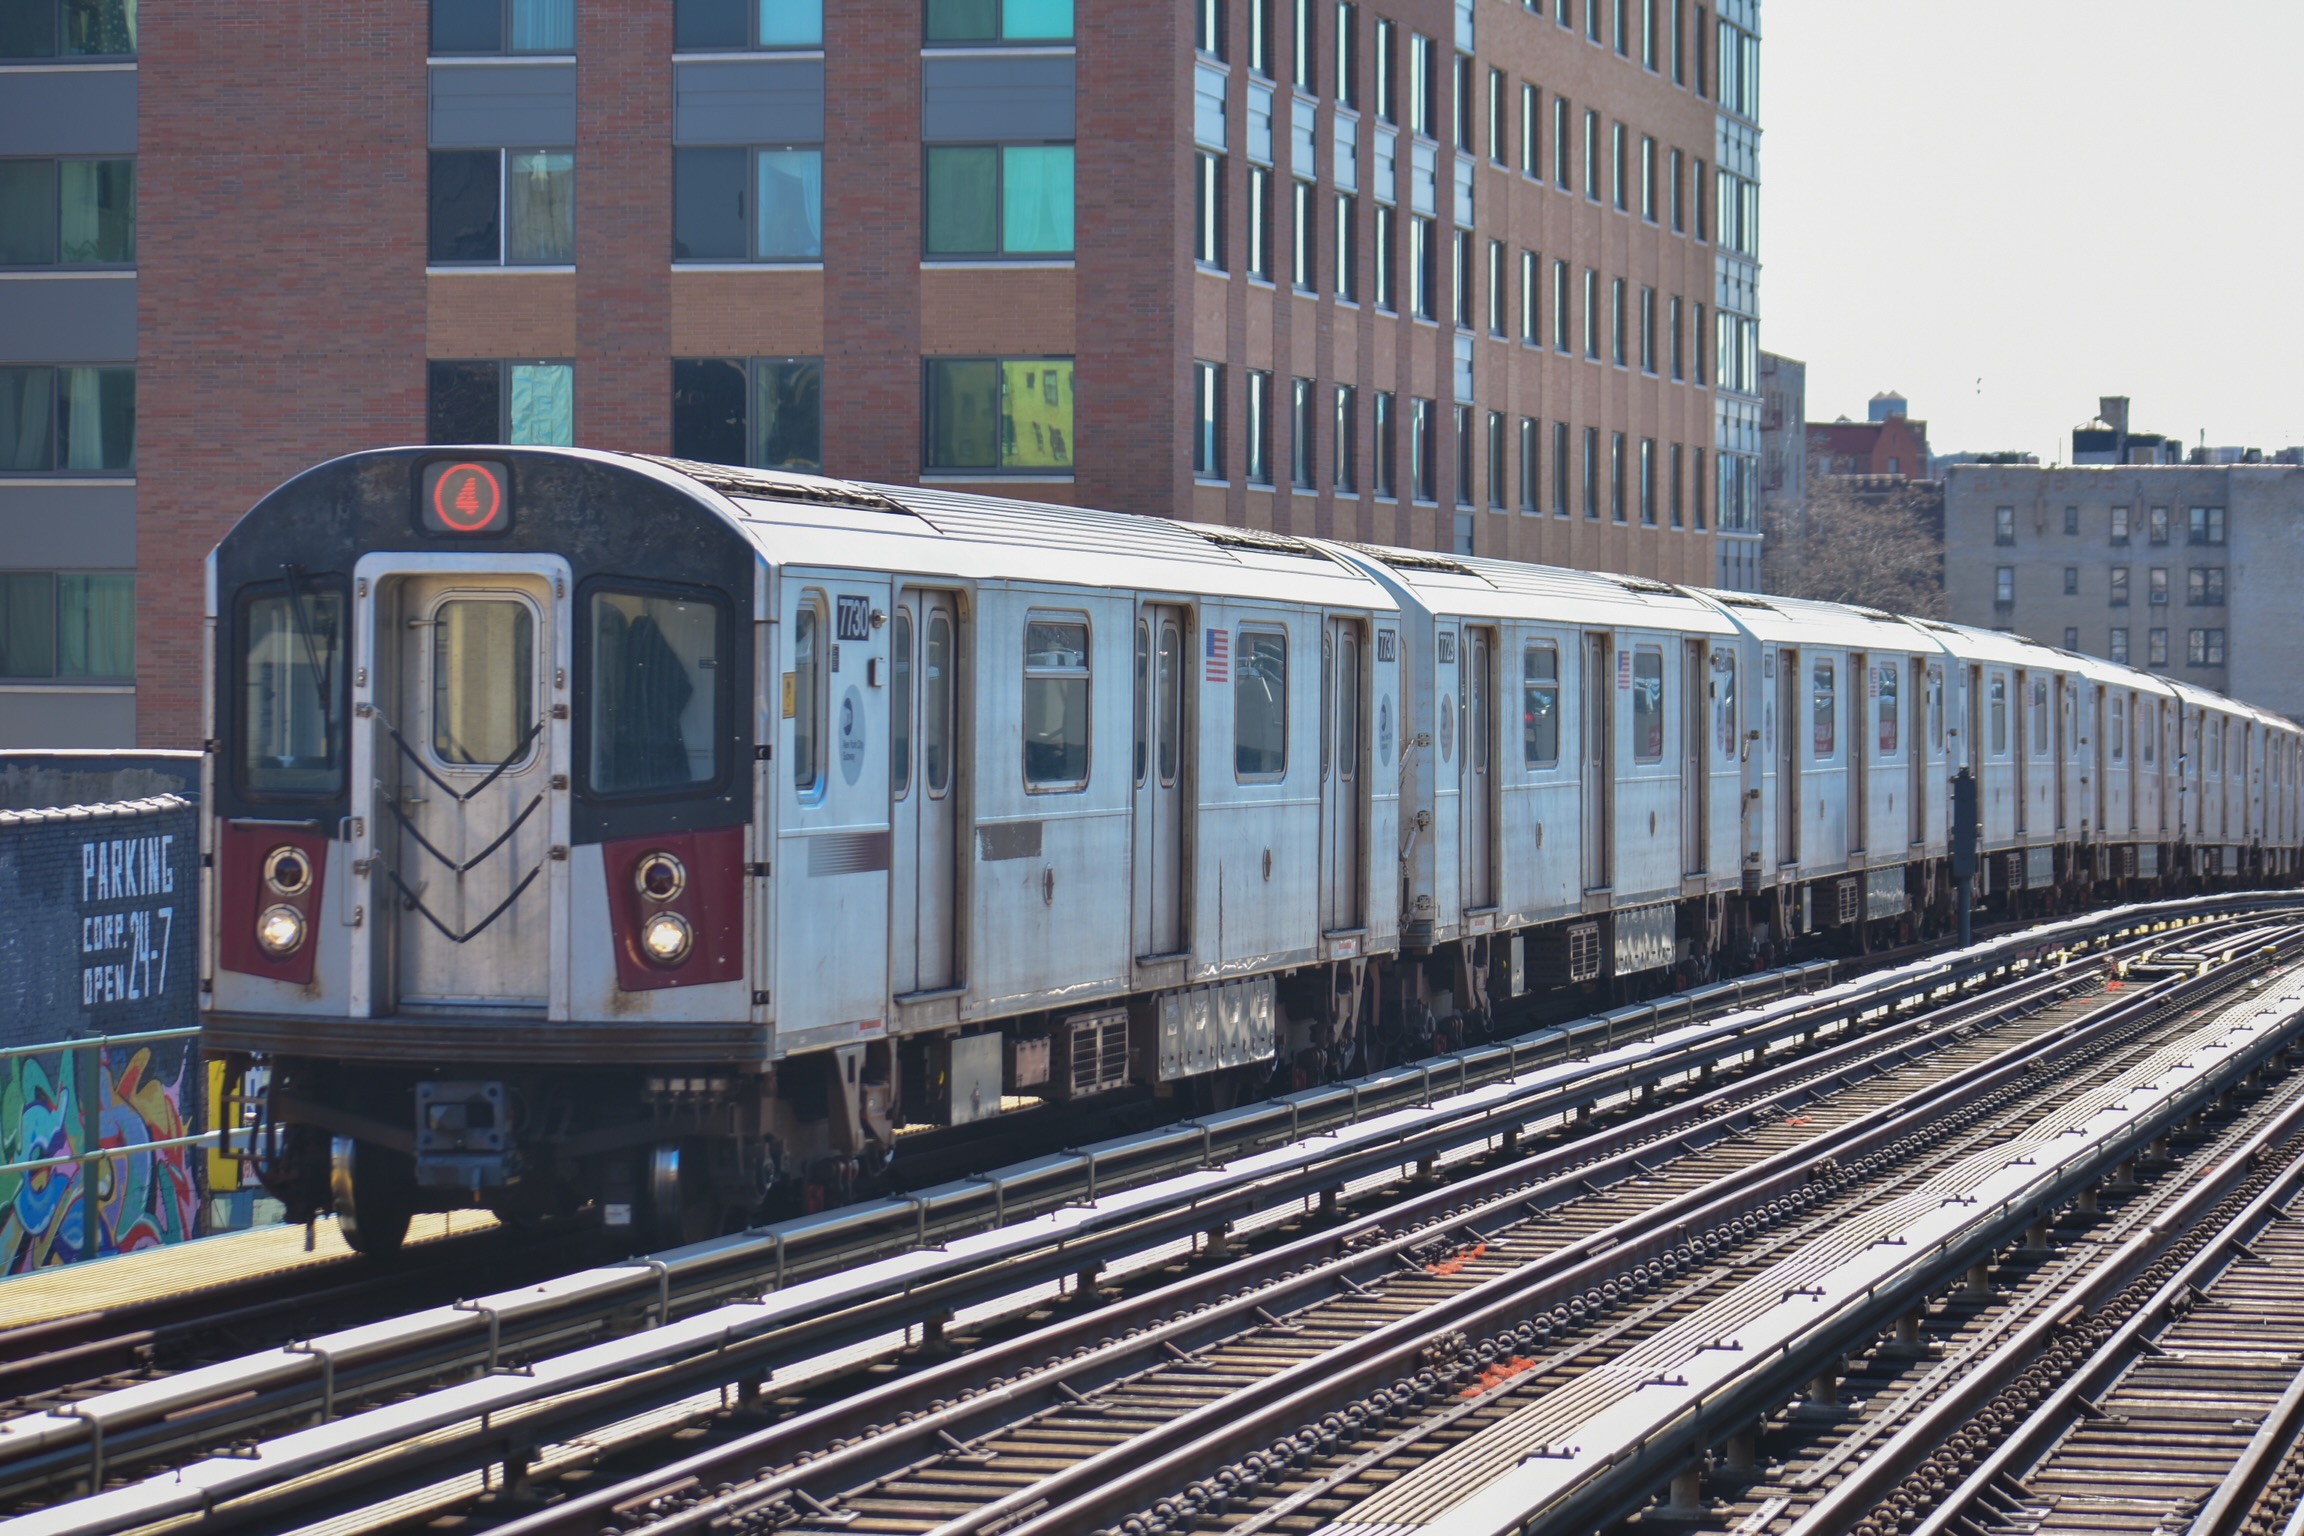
x,y
2193,571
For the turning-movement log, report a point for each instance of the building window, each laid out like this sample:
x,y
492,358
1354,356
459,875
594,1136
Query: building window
x,y
1208,27
503,207
1675,487
1306,71
1496,502
999,200
1616,476
767,412
1563,335
1647,330
1387,70
2071,521
2071,580
1423,86
2206,526
700,25
1346,475
1347,54
1531,308
1463,93
1560,507
2003,525
1386,468
1498,304
1592,314
1347,249
2071,637
748,204
1000,21
1260,37
1592,19
2204,647
2119,525
1208,210
1259,427
2155,524
1387,281
509,26
2158,588
67,625
999,413
1531,131
2120,646
1498,135
2156,648
1463,266
1463,455
1591,155
47,29
528,404
1648,482
1563,144
1531,467
2204,586
1619,168
73,420
1208,421
1616,319
2119,586
71,213
2004,586
1422,451
1300,434
1700,347
1421,276
1592,473
1303,262
1259,224
1648,178
1679,194
1679,372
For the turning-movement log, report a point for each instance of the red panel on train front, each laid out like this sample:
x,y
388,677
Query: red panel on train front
x,y
243,896
711,900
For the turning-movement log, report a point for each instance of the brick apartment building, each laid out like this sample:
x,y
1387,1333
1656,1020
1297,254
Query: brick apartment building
x,y
1472,274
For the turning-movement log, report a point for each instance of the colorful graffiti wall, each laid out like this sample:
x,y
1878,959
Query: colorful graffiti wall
x,y
142,1199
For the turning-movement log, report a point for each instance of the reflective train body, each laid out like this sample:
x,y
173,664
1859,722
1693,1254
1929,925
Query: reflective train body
x,y
589,832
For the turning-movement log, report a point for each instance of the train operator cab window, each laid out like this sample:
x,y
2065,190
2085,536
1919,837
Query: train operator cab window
x,y
1540,706
698,25
1647,704
803,697
999,21
1824,704
483,709
292,694
655,711
1260,706
503,26
1056,677
1998,694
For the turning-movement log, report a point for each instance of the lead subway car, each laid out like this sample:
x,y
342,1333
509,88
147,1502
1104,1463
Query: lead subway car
x,y
594,831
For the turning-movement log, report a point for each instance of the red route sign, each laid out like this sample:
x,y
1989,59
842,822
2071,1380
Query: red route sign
x,y
467,498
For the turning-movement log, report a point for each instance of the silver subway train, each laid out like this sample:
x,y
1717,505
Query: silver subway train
x,y
593,833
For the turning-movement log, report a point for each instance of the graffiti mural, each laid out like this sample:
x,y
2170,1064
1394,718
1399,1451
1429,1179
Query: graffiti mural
x,y
142,1198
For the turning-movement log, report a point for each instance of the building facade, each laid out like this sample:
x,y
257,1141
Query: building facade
x,y
2187,570
1469,274
1783,437
1895,446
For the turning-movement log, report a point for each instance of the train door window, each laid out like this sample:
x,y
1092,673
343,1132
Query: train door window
x,y
1143,695
1056,674
1886,684
292,677
1647,704
900,707
1476,711
936,717
483,681
1540,706
2215,746
2036,729
1998,694
1348,706
1724,704
2148,732
802,699
2119,728
1260,706
654,716
1327,697
1935,709
1171,680
1824,707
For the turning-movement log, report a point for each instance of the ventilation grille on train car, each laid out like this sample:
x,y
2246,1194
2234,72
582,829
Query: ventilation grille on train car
x,y
1650,588
1414,560
1564,953
1093,1052
732,480
1746,602
1257,538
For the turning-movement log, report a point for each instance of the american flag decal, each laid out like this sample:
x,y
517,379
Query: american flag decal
x,y
1219,655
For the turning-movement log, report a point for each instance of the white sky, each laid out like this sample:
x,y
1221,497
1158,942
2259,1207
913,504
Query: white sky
x,y
2058,198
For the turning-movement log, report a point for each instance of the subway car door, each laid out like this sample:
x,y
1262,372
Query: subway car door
x,y
1788,715
1343,776
924,766
1476,680
1599,783
1695,802
1920,744
471,756
1161,766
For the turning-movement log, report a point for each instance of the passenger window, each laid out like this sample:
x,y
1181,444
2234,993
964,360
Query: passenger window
x,y
483,681
292,677
1935,709
1647,704
1260,705
1886,677
1171,664
2119,728
1724,704
1824,703
1143,693
1055,704
936,718
1540,706
654,716
802,702
2038,728
2148,732
900,707
1999,697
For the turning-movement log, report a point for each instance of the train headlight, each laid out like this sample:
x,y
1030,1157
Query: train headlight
x,y
660,877
287,872
280,931
665,938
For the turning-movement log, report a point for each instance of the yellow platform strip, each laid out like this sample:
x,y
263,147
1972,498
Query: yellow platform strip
x,y
66,1289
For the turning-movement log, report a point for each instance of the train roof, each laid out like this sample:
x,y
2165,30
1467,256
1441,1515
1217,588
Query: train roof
x,y
1478,587
1804,621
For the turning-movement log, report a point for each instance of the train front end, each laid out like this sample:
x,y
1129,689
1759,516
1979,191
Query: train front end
x,y
479,840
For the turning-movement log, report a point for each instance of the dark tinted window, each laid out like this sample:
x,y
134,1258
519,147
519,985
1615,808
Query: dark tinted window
x,y
708,204
463,403
708,410
467,26
292,693
654,711
464,217
711,24
27,213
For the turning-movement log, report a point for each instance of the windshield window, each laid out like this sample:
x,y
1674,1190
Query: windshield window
x,y
292,694
654,711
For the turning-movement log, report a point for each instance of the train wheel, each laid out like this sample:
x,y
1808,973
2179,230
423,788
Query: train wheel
x,y
374,1192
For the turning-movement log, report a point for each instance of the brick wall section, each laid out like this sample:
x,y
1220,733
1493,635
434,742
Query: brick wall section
x,y
872,212
748,314
501,315
281,305
623,227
